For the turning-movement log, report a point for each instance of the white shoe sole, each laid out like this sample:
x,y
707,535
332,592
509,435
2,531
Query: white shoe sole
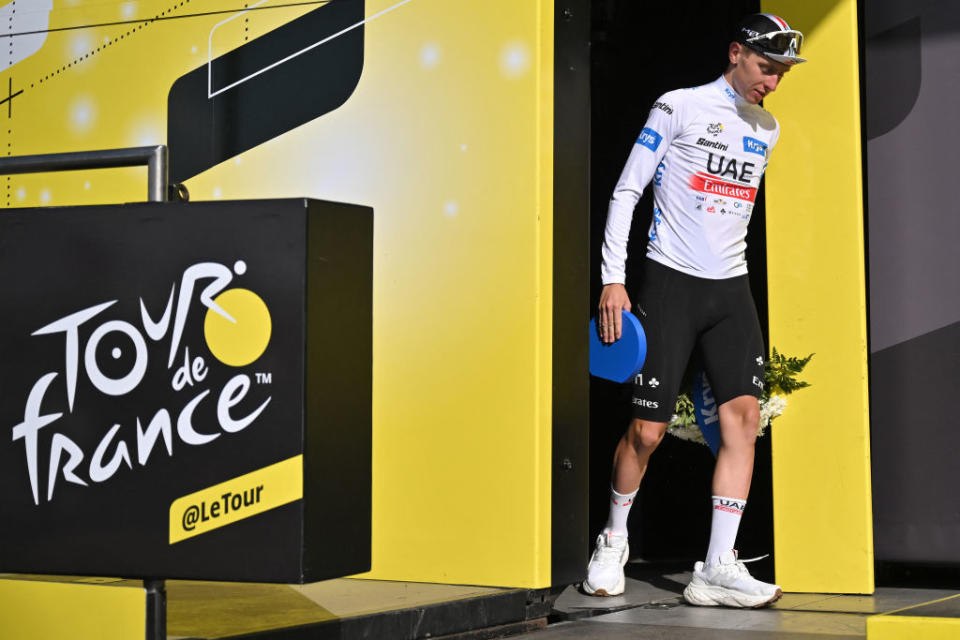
x,y
705,595
606,593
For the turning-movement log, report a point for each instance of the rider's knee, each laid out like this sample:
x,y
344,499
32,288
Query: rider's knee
x,y
646,435
743,419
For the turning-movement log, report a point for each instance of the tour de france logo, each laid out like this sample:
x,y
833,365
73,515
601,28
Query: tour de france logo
x,y
236,329
237,326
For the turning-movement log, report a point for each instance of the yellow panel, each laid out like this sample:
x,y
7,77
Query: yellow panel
x,y
543,424
821,447
37,610
449,137
461,448
912,628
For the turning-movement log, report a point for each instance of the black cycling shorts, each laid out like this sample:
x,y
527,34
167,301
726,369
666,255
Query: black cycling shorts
x,y
679,313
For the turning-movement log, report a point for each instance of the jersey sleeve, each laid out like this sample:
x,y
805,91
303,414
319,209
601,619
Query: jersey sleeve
x,y
662,126
774,138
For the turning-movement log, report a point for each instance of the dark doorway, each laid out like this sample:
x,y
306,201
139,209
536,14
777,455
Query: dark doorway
x,y
640,50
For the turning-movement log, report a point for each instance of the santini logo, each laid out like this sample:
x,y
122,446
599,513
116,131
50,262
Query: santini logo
x,y
663,106
752,145
649,139
713,144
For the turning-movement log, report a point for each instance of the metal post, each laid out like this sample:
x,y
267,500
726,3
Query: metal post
x,y
154,157
157,179
156,609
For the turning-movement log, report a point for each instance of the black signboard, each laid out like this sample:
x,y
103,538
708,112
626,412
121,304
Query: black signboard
x,y
185,390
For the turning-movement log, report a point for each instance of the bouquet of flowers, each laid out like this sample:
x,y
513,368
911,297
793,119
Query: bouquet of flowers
x,y
779,380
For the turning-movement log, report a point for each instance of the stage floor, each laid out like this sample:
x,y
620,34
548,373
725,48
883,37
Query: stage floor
x,y
651,608
335,609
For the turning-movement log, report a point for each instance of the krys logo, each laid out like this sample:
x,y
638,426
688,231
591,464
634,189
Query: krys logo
x,y
649,138
236,329
752,145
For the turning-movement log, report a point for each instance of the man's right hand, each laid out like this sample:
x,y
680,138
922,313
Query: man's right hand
x,y
613,300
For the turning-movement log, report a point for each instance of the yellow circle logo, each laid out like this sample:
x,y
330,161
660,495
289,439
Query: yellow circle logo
x,y
240,341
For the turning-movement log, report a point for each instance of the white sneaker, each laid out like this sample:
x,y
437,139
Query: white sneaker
x,y
605,571
728,584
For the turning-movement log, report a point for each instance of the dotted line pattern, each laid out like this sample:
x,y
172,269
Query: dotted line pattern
x,y
109,43
13,7
13,10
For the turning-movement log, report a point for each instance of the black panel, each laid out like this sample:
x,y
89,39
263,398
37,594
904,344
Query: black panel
x,y
58,261
916,510
892,77
204,131
339,400
496,615
571,290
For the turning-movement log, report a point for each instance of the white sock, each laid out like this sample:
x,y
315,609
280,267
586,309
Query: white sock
x,y
620,504
723,529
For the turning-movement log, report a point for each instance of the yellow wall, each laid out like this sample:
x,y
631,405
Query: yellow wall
x,y
40,610
912,628
448,137
821,447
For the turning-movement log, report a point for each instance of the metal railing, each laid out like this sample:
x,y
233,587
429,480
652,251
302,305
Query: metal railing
x,y
154,157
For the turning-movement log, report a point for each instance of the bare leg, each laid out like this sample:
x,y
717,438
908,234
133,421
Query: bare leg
x,y
605,575
739,419
731,477
633,453
721,580
629,465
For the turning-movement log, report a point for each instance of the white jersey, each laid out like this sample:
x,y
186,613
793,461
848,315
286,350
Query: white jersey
x,y
706,149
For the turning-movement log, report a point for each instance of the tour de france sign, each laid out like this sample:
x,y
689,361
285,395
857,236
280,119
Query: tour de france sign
x,y
179,397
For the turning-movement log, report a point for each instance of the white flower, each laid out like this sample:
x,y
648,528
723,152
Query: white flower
x,y
690,432
772,407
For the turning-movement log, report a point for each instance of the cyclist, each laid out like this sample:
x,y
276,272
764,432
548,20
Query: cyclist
x,y
705,149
